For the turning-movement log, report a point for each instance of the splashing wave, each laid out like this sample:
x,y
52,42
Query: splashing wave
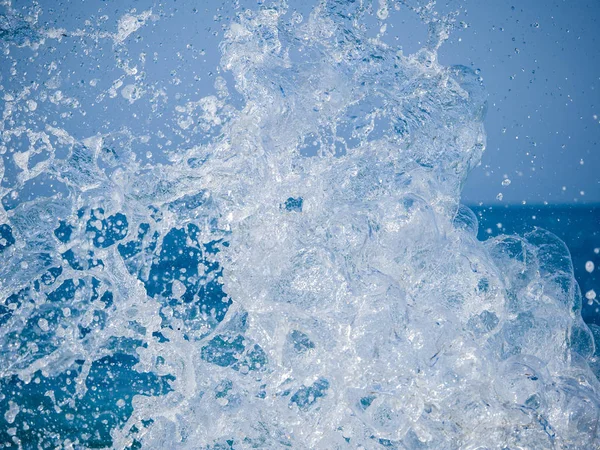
x,y
299,274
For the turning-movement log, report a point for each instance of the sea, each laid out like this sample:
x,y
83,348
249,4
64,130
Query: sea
x,y
577,226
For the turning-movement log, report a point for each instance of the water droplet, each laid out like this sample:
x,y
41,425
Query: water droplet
x,y
43,324
178,289
591,296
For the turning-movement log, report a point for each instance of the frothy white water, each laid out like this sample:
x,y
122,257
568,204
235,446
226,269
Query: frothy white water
x,y
360,309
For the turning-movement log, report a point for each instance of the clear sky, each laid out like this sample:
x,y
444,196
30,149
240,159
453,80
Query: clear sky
x,y
539,59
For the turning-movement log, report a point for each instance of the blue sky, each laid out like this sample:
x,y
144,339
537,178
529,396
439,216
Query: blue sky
x,y
540,62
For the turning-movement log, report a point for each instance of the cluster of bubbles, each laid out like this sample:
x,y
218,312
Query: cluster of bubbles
x,y
302,274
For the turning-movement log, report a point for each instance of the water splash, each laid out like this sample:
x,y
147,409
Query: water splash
x,y
296,271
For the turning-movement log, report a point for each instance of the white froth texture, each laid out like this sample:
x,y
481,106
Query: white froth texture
x,y
306,278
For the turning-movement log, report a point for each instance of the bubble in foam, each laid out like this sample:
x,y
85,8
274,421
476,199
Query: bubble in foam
x,y
304,277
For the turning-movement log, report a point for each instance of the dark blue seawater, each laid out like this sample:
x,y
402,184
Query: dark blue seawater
x,y
577,226
55,409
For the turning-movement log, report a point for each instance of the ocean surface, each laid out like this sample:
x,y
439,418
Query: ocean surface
x,y
577,226
283,262
113,380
